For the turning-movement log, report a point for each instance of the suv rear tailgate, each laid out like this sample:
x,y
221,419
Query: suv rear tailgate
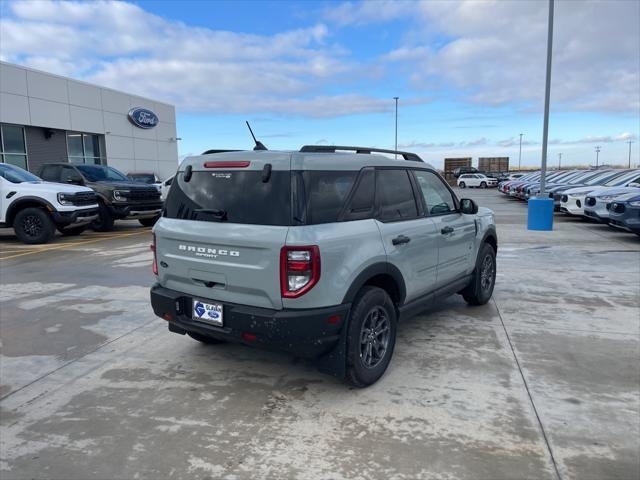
x,y
221,261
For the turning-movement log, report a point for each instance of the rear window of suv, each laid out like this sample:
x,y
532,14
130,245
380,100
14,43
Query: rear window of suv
x,y
231,196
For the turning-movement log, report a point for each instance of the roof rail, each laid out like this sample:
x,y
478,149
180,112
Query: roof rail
x,y
209,152
332,149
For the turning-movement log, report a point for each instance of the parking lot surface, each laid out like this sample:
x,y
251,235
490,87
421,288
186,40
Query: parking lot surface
x,y
543,382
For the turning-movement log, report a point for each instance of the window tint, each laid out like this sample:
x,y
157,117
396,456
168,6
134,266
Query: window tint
x,y
361,205
235,197
50,173
437,196
394,195
98,173
325,193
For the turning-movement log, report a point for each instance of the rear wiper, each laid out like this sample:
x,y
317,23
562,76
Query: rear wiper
x,y
218,215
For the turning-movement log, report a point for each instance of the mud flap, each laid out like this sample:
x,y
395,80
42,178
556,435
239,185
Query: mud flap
x,y
334,362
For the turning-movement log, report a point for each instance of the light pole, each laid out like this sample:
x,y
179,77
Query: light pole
x,y
597,155
559,160
629,142
540,208
520,153
396,99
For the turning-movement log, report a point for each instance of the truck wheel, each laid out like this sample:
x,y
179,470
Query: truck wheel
x,y
462,185
33,225
371,337
73,231
483,185
104,222
479,291
204,338
148,222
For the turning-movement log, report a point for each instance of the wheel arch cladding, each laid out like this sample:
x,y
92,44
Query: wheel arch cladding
x,y
382,275
491,238
26,202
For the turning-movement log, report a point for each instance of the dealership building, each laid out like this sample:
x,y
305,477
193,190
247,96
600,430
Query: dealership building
x,y
48,118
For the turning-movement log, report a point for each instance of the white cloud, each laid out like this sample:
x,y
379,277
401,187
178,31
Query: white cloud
x,y
122,46
493,52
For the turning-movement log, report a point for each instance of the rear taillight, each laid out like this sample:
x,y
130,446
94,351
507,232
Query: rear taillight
x,y
155,258
232,164
299,270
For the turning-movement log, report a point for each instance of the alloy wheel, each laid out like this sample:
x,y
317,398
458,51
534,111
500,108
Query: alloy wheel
x,y
374,337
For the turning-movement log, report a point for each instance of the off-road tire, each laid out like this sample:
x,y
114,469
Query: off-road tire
x,y
105,221
148,222
480,289
204,339
368,300
73,231
33,226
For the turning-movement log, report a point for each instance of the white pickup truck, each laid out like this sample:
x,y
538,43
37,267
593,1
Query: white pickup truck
x,y
35,208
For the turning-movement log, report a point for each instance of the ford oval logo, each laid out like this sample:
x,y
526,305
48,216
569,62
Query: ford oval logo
x,y
143,118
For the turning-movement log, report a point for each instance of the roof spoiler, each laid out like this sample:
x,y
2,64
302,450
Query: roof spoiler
x,y
209,152
333,148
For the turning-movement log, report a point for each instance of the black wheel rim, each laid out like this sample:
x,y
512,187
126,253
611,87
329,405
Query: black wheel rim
x,y
487,271
32,225
374,337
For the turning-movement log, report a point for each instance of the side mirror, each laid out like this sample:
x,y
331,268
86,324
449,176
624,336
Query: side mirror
x,y
468,206
75,180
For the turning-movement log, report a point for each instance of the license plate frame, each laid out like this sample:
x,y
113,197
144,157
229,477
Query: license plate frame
x,y
207,312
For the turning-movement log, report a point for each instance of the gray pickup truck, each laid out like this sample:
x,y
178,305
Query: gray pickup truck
x,y
318,252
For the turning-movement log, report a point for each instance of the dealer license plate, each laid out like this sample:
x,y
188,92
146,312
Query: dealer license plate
x,y
207,312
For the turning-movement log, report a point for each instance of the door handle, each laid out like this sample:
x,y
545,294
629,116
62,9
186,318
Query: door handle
x,y
446,230
400,239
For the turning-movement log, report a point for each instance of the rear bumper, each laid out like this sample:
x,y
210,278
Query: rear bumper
x,y
305,333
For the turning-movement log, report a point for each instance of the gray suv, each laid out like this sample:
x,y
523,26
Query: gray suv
x,y
318,252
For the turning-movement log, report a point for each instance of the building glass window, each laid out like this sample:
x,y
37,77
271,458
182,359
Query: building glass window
x,y
84,148
12,145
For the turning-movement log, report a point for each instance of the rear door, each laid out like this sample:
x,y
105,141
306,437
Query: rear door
x,y
456,231
223,229
410,239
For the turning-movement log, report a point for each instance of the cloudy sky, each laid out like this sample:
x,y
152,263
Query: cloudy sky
x,y
469,74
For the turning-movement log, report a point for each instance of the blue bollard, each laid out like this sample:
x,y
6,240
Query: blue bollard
x,y
540,216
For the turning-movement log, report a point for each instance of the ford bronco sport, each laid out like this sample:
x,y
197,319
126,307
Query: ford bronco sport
x,y
119,198
318,252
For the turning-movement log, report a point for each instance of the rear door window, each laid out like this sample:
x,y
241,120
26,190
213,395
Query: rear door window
x,y
50,173
231,196
394,195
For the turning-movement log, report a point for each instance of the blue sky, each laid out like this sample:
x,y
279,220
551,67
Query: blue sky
x,y
469,74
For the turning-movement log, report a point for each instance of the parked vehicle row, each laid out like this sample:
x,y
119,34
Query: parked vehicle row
x,y
610,196
72,198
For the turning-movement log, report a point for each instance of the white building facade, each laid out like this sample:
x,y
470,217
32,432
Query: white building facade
x,y
48,118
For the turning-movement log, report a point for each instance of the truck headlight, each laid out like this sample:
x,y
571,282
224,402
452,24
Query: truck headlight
x,y
635,203
608,197
120,195
65,199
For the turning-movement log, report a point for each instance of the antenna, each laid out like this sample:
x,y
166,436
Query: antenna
x,y
259,144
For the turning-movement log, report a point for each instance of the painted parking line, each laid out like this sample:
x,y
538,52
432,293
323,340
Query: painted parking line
x,y
75,244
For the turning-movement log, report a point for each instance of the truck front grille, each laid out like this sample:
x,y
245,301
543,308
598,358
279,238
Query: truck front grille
x,y
84,198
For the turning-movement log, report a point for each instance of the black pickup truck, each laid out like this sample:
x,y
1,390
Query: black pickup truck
x,y
118,197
